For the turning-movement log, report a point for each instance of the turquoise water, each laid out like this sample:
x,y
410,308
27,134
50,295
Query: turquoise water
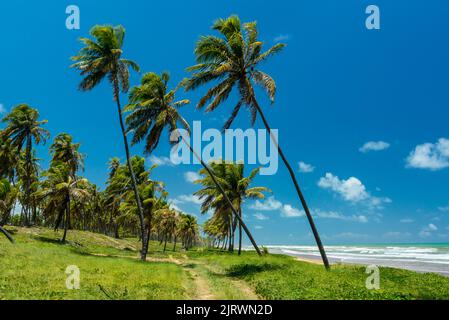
x,y
421,257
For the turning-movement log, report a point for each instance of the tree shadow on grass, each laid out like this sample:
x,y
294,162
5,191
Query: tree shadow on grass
x,y
243,270
48,240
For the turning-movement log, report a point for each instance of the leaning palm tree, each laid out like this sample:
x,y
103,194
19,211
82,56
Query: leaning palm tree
x,y
153,108
23,127
232,60
100,58
237,186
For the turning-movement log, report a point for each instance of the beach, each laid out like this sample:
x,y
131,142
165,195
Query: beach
x,y
415,257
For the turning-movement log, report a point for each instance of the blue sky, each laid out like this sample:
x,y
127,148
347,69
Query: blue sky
x,y
340,86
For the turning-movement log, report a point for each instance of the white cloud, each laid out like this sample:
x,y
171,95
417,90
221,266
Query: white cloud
x,y
351,235
339,216
432,156
258,227
260,216
374,146
270,204
282,37
444,209
428,230
2,108
187,199
396,235
406,220
352,190
191,176
289,211
305,168
161,161
175,207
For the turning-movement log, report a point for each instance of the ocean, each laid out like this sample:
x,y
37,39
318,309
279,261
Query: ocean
x,y
415,257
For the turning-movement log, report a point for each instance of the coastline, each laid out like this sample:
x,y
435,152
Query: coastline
x,y
428,258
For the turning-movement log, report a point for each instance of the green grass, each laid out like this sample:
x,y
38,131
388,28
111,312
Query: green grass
x,y
282,277
34,268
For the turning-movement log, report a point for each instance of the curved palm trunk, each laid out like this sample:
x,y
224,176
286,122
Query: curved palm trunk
x,y
143,253
209,171
298,190
7,235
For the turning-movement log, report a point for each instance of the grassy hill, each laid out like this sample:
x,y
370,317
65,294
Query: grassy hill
x,y
34,268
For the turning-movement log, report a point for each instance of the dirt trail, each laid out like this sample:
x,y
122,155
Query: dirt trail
x,y
203,289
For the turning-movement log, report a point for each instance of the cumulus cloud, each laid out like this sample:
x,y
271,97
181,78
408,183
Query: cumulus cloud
x,y
289,211
352,190
374,146
192,176
305,167
187,199
339,216
428,230
2,108
431,156
258,227
161,161
406,220
270,204
260,216
444,209
396,235
352,236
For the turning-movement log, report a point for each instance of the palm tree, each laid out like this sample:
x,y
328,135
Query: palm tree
x,y
22,128
8,197
62,190
237,186
233,61
64,150
8,158
154,108
100,58
188,230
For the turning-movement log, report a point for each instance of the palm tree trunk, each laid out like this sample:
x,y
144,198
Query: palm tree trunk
x,y
28,180
240,231
225,196
298,190
7,235
67,220
143,253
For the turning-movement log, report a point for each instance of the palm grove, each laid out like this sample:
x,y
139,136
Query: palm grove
x,y
132,202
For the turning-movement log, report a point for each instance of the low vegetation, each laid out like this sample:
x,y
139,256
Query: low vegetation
x,y
34,268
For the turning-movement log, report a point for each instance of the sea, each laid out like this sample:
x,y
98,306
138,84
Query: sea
x,y
429,257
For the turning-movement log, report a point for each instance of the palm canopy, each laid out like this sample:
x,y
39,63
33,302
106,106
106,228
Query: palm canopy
x,y
232,60
231,177
64,150
101,57
153,108
22,123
